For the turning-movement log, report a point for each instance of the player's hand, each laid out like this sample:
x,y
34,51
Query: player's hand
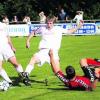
x,y
89,89
27,44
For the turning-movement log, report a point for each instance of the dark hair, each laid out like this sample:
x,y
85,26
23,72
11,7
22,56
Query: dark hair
x,y
70,72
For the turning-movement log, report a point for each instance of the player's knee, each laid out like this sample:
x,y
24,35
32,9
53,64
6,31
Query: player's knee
x,y
83,62
97,72
13,61
15,64
51,52
34,60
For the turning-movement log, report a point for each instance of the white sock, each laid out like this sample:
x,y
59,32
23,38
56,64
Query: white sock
x,y
19,69
5,76
29,68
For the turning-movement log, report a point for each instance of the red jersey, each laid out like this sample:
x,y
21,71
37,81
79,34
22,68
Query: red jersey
x,y
80,82
92,62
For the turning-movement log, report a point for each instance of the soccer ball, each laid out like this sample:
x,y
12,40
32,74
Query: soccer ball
x,y
4,85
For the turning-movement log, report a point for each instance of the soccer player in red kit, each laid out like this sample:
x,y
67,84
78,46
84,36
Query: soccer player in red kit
x,y
72,80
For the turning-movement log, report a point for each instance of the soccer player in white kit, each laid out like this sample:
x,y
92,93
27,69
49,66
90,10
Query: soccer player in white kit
x,y
7,53
51,37
78,17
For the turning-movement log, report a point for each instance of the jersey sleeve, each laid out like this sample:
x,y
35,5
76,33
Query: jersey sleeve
x,y
75,18
39,30
62,77
5,29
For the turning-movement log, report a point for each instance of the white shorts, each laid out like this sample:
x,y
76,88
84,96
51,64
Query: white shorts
x,y
6,53
43,56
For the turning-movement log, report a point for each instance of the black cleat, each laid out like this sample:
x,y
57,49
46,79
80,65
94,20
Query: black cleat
x,y
21,75
98,60
25,78
27,82
11,84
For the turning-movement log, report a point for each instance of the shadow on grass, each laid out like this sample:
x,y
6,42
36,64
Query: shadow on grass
x,y
46,93
18,80
37,81
37,96
66,89
58,89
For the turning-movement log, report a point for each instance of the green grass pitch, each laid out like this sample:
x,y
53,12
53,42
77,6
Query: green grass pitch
x,y
73,48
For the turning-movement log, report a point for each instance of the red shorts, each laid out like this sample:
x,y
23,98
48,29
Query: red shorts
x,y
92,62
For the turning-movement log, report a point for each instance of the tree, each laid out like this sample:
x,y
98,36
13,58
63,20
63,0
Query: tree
x,y
33,7
2,11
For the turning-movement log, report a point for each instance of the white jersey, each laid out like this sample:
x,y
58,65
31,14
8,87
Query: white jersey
x,y
51,38
3,35
78,18
42,19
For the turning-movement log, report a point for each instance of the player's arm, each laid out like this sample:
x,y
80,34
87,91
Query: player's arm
x,y
56,69
75,18
29,38
11,44
72,30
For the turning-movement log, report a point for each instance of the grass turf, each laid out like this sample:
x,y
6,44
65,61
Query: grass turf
x,y
73,48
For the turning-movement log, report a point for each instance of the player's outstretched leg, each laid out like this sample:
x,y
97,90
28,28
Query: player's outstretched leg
x,y
28,70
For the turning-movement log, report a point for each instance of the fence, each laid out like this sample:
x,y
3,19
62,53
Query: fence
x,y
90,27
